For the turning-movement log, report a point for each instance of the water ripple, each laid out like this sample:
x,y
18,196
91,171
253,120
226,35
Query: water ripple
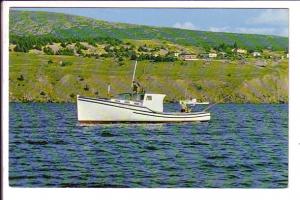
x,y
243,146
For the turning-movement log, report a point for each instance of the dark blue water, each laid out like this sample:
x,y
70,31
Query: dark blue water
x,y
243,146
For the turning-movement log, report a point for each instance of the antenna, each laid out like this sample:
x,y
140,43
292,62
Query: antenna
x,y
108,90
133,73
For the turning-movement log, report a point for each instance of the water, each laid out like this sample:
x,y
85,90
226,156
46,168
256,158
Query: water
x,y
243,146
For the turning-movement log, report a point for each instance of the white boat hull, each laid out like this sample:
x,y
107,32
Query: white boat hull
x,y
90,110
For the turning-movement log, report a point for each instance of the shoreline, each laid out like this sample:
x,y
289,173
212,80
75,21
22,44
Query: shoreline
x,y
167,102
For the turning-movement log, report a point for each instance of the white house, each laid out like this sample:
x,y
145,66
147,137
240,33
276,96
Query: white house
x,y
189,57
242,51
212,55
176,54
256,54
163,52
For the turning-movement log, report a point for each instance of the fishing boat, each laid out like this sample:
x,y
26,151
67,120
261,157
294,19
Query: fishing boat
x,y
136,106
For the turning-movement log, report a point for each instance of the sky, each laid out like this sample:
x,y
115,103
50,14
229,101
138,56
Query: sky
x,y
256,21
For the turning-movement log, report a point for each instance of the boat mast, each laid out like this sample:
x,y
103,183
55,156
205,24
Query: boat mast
x,y
108,90
133,73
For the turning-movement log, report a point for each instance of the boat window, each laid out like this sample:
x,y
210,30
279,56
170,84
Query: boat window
x,y
141,97
124,96
149,98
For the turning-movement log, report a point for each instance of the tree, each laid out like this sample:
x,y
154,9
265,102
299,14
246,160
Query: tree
x,y
48,51
221,47
120,59
38,47
133,57
63,45
66,51
235,46
206,48
108,48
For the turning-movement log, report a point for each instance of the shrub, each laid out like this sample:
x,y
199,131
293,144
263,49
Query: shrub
x,y
65,63
86,87
48,51
66,52
199,87
80,78
21,78
21,48
80,46
133,57
63,45
120,59
93,43
42,93
72,95
80,52
38,47
183,63
50,61
108,48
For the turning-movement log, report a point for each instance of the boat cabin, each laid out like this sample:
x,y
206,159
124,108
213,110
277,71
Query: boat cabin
x,y
151,101
154,102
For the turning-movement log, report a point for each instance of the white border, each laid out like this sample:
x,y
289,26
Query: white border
x,y
293,190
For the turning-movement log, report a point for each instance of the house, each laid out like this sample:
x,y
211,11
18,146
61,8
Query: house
x,y
222,54
188,57
212,55
163,52
256,54
242,51
176,54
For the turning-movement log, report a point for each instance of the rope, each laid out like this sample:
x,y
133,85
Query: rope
x,y
214,104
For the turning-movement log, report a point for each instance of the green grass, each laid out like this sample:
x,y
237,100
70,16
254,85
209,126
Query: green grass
x,y
207,82
60,78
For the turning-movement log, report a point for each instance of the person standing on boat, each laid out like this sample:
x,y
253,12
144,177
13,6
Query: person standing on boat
x,y
137,88
184,107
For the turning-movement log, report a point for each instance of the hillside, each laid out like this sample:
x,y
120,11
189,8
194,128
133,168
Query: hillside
x,y
24,23
53,78
54,57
